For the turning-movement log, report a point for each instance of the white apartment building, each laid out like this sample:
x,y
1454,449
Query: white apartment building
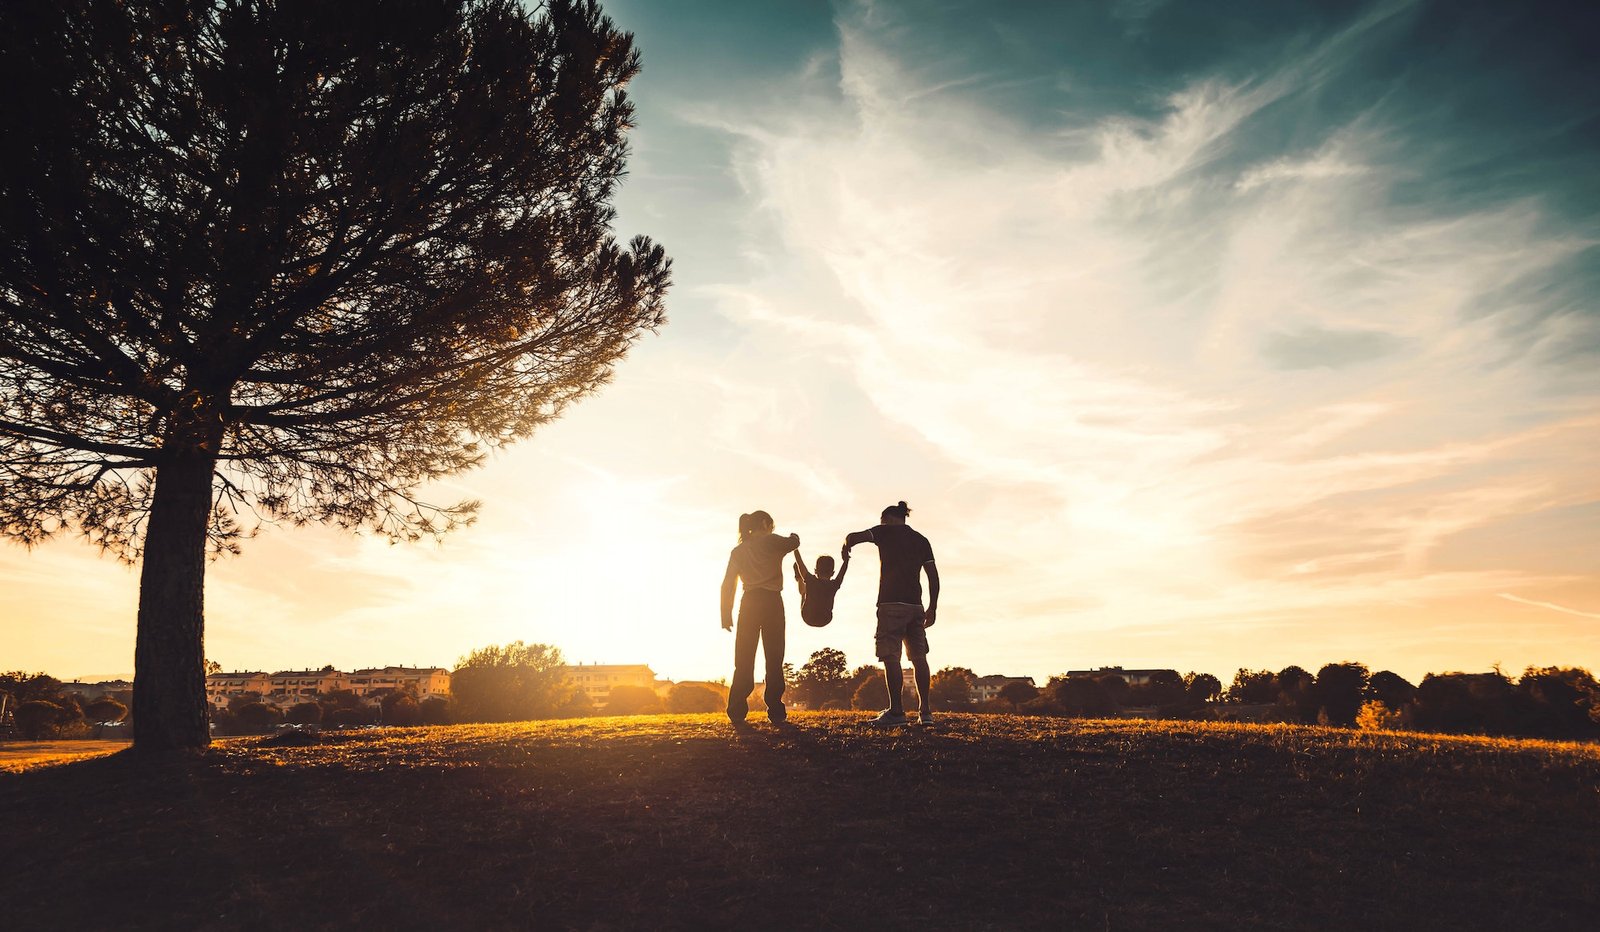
x,y
429,682
304,685
598,679
220,687
287,687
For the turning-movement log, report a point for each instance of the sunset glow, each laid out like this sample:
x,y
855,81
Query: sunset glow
x,y
1244,360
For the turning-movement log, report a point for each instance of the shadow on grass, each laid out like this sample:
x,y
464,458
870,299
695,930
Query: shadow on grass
x,y
681,821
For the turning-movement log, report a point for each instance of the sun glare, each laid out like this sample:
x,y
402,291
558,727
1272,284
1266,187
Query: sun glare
x,y
626,581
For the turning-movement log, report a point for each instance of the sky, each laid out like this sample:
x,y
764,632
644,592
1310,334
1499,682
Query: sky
x,y
1201,336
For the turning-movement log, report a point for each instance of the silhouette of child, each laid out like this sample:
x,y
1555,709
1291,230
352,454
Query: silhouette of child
x,y
818,589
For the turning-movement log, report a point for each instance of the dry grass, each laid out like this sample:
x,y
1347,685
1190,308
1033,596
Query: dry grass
x,y
993,822
16,756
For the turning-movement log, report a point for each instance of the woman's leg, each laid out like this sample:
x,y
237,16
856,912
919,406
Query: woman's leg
x,y
773,637
745,634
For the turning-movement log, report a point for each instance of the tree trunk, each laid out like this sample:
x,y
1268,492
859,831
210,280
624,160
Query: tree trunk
x,y
169,686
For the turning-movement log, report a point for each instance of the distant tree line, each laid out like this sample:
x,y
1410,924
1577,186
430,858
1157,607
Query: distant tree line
x,y
1544,702
41,707
519,682
249,713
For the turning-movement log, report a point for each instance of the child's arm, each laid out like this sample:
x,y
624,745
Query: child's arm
x,y
800,573
844,567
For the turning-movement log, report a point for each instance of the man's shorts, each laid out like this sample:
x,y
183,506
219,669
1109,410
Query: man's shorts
x,y
900,623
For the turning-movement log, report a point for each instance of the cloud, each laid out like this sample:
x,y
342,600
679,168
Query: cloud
x,y
1163,385
1313,347
1550,605
1320,168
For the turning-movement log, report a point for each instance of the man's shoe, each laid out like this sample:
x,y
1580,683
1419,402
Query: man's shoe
x,y
925,719
890,717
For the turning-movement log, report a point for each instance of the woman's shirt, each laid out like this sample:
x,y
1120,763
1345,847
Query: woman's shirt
x,y
758,562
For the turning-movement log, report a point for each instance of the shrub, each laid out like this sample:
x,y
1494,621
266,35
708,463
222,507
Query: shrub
x,y
575,704
821,678
435,711
871,695
256,717
692,697
1391,689
1338,690
1297,700
401,709
1082,695
1556,702
1252,687
354,717
1375,716
512,683
304,713
632,700
37,719
1018,693
106,709
952,689
1042,705
1116,688
1474,703
1199,689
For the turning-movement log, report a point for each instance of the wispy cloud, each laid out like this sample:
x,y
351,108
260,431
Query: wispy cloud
x,y
1550,605
1158,395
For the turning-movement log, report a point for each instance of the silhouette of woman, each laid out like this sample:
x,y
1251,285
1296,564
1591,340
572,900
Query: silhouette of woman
x,y
758,562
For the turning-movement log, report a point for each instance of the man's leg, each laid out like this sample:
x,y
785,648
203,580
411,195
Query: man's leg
x,y
772,641
745,635
919,671
895,680
917,650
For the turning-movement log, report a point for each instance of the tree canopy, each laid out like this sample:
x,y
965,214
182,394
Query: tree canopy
x,y
822,678
512,683
288,260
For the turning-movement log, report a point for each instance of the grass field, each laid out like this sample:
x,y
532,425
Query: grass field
x,y
992,822
22,755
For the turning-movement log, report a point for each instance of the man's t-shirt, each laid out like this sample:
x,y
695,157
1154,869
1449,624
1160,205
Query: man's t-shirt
x,y
902,553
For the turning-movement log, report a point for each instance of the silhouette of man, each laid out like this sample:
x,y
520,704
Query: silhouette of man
x,y
903,556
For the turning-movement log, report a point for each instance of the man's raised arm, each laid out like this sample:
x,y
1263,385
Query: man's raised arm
x,y
850,540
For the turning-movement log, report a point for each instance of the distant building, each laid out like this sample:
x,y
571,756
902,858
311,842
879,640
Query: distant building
x,y
985,688
429,682
304,685
598,679
96,690
1132,677
221,687
288,687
